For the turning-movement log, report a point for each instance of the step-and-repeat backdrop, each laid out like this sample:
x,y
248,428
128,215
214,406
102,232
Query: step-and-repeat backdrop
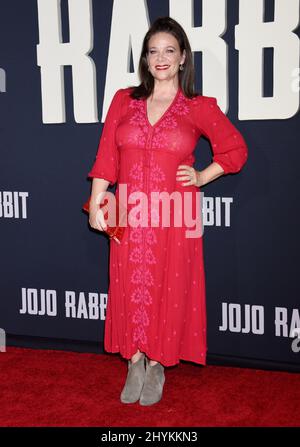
x,y
60,64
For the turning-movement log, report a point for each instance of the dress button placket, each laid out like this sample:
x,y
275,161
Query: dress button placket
x,y
146,174
147,150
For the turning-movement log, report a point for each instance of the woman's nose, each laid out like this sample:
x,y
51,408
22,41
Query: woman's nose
x,y
161,58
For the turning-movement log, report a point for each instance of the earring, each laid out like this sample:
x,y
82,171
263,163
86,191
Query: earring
x,y
181,67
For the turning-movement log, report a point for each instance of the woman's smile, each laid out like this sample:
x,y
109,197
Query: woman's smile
x,y
162,67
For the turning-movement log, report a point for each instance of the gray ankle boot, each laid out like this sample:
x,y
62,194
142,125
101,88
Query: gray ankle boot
x,y
153,385
134,381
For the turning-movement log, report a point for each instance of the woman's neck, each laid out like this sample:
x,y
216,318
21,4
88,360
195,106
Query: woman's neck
x,y
167,88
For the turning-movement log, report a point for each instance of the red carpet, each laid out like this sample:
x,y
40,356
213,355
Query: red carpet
x,y
58,388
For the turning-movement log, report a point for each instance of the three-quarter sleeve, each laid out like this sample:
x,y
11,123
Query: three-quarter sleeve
x,y
229,148
106,164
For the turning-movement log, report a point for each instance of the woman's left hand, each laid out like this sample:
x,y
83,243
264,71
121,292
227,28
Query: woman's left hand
x,y
189,173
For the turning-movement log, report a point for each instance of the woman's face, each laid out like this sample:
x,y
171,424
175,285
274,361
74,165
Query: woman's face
x,y
164,56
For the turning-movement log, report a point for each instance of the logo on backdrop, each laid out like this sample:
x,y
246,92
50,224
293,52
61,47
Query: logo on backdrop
x,y
278,34
2,81
43,302
250,319
13,204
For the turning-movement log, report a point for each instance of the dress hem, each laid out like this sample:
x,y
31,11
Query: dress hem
x,y
176,362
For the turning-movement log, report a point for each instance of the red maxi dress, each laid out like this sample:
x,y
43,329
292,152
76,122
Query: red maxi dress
x,y
156,296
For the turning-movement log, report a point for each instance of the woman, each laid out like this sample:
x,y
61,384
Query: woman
x,y
156,311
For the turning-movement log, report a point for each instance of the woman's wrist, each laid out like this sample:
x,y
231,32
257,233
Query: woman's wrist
x,y
199,178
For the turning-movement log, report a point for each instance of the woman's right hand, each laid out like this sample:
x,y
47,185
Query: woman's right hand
x,y
96,215
96,219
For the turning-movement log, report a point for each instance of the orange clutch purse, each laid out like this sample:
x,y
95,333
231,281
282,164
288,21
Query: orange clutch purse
x,y
114,232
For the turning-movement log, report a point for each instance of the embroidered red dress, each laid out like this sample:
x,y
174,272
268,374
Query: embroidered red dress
x,y
156,297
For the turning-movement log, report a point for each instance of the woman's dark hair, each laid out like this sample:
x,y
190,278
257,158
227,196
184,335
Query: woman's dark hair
x,y
185,76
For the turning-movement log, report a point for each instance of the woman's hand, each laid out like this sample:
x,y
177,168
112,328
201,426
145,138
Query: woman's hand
x,y
96,216
96,219
186,172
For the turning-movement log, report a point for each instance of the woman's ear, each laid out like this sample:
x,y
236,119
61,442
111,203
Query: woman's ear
x,y
183,57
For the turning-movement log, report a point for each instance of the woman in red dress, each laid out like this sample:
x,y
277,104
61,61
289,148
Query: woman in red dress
x,y
156,309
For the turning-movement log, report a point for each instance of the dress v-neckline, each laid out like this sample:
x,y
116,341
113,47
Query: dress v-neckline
x,y
165,112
